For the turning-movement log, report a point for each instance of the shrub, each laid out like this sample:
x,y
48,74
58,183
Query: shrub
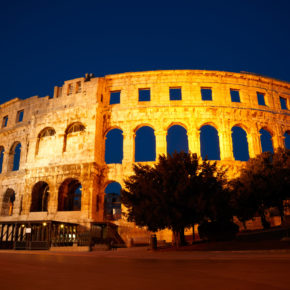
x,y
218,230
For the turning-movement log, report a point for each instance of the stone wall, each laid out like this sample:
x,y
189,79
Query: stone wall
x,y
192,112
53,159
80,155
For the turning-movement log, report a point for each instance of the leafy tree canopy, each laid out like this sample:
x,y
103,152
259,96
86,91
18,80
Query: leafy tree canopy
x,y
177,192
263,183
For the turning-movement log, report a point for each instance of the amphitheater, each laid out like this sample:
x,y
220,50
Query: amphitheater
x,y
53,149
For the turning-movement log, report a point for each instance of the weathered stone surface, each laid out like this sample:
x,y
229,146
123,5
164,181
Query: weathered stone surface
x,y
80,155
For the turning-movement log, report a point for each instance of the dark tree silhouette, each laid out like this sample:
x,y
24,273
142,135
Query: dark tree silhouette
x,y
263,183
177,192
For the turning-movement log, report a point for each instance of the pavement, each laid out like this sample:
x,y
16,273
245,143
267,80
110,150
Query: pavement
x,y
140,268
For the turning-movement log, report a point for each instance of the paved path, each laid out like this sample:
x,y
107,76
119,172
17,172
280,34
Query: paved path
x,y
137,268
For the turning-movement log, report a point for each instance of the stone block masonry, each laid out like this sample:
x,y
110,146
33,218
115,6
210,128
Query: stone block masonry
x,y
63,138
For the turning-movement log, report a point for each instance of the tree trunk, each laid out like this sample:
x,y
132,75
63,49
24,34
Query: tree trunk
x,y
178,238
182,237
281,210
193,234
244,224
265,223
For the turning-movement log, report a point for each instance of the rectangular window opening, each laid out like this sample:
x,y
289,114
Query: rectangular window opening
x,y
175,94
206,94
115,97
261,99
235,96
283,103
4,121
79,87
19,117
144,95
70,89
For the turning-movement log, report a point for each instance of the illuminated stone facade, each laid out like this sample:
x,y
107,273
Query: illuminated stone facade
x,y
63,138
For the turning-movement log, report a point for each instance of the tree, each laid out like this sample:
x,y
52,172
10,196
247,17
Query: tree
x,y
213,199
263,183
177,192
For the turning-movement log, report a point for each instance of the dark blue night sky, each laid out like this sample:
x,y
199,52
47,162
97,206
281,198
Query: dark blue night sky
x,y
44,43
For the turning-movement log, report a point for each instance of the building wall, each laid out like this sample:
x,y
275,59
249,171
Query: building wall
x,y
192,112
53,159
87,100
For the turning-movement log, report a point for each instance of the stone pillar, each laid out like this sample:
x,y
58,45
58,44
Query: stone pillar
x,y
56,92
16,205
5,162
32,150
128,147
26,201
284,140
33,147
53,200
278,139
226,144
23,154
86,198
161,144
254,143
194,141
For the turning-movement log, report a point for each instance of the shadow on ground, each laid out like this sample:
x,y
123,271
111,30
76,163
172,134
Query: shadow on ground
x,y
272,239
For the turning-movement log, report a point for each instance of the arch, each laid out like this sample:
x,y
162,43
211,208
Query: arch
x,y
46,132
209,124
75,127
209,143
143,125
242,126
114,146
266,140
112,201
112,128
8,202
287,139
70,195
145,144
72,128
2,150
43,134
177,124
177,140
40,196
14,157
240,144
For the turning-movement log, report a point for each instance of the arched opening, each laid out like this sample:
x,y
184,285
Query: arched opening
x,y
46,132
114,146
287,139
8,202
39,198
266,141
1,158
177,140
44,141
240,144
145,145
113,201
209,143
14,157
75,127
71,135
70,195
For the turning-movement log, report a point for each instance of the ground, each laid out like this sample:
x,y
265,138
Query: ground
x,y
138,268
